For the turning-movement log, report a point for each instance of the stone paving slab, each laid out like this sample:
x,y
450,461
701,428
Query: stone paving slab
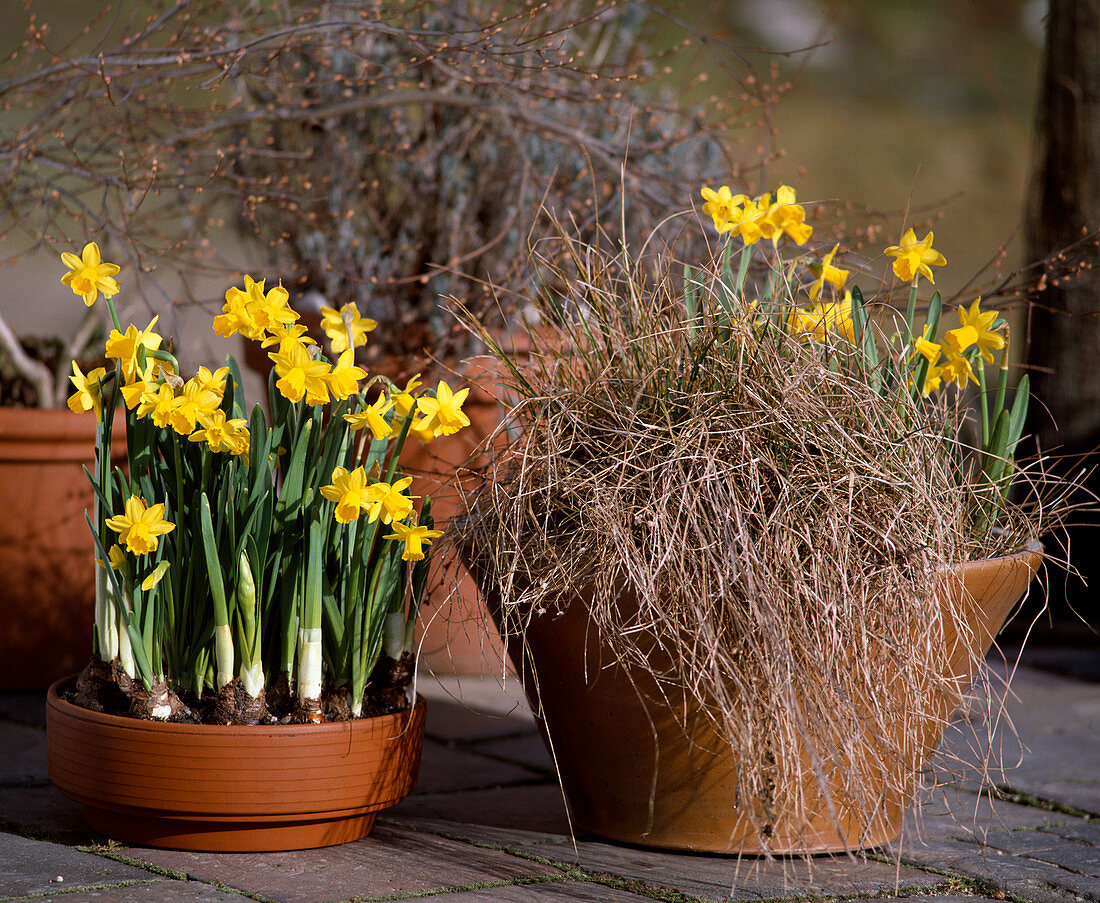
x,y
1045,745
537,807
393,860
470,708
24,753
444,768
158,891
697,875
527,749
1025,853
45,812
24,705
29,867
550,892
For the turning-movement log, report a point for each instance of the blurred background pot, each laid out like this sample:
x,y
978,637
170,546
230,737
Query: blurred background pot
x,y
46,554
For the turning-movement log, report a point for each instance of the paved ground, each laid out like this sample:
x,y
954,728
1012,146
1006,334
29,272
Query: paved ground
x,y
487,824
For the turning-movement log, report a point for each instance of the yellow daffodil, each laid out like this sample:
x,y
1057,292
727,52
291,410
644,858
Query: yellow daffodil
x,y
89,391
124,348
754,222
788,217
343,379
252,311
349,491
88,275
158,404
373,416
981,322
956,369
961,339
817,322
140,527
913,257
929,350
340,324
387,502
220,433
186,409
932,379
295,333
154,576
829,273
415,538
234,317
404,402
300,375
723,207
117,556
211,386
269,309
442,415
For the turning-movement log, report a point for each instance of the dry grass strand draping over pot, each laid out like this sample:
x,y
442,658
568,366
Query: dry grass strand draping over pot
x,y
750,526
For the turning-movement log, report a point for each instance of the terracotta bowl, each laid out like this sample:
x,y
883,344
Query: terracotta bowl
x,y
231,788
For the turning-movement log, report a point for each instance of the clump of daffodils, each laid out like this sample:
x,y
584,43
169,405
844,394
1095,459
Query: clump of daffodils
x,y
249,558
862,340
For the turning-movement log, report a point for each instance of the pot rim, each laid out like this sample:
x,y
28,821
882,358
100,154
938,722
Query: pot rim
x,y
76,712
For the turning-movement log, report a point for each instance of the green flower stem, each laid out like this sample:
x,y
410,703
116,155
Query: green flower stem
x,y
223,636
983,408
910,313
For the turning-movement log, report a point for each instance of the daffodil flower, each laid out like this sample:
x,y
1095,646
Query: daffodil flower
x,y
981,322
415,538
932,379
788,217
343,379
387,502
88,275
723,207
913,257
820,320
140,527
956,369
829,273
442,415
294,333
349,491
929,350
754,222
89,391
374,417
124,348
300,375
339,324
220,433
158,405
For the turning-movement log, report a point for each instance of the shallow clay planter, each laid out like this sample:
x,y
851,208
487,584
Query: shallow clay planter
x,y
46,552
227,788
632,773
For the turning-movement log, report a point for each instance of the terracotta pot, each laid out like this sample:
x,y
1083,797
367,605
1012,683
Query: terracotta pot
x,y
46,549
632,772
237,788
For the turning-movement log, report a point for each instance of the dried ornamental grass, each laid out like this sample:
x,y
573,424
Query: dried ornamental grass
x,y
750,520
